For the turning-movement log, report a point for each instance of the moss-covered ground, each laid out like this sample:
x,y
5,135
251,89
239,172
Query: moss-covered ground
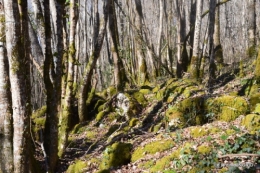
x,y
171,126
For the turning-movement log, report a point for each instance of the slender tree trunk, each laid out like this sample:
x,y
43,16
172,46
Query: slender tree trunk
x,y
69,97
39,21
119,72
52,80
88,72
194,66
182,57
6,128
142,66
212,65
160,29
217,45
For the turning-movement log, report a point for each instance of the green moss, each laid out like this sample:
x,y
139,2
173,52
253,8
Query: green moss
x,y
140,98
38,118
91,135
230,132
204,149
112,116
214,130
152,148
227,108
257,68
257,108
251,122
241,69
197,132
133,122
155,128
146,165
101,114
111,91
77,167
253,100
116,155
164,162
251,51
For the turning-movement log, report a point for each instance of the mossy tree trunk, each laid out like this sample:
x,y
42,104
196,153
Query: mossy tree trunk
x,y
212,65
257,68
251,16
52,80
217,44
66,113
20,81
6,128
182,56
119,71
195,65
88,72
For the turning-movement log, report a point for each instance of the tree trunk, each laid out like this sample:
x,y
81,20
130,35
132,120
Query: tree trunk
x,y
52,81
194,66
251,12
6,128
88,72
19,80
212,65
217,45
119,72
182,56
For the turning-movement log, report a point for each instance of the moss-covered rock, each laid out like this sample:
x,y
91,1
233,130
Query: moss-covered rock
x,y
227,108
188,110
77,167
127,106
152,148
101,114
254,100
252,122
139,96
116,155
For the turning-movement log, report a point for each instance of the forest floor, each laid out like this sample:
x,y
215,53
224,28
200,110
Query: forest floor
x,y
172,126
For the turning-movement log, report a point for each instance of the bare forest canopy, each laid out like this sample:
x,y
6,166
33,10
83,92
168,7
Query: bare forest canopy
x,y
56,54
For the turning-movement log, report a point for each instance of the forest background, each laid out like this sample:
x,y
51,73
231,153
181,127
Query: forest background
x,y
57,53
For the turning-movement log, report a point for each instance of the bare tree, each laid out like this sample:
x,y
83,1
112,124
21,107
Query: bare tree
x,y
88,72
